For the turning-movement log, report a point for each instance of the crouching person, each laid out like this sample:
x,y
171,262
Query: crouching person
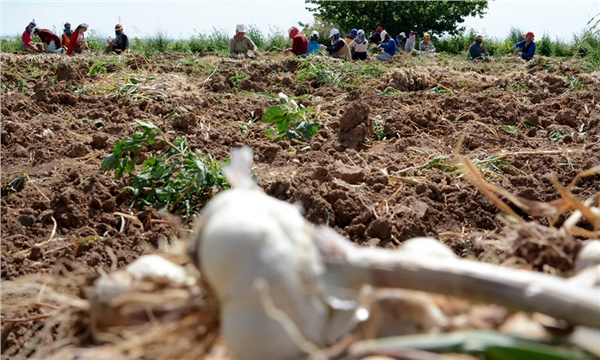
x,y
50,40
241,45
120,43
476,52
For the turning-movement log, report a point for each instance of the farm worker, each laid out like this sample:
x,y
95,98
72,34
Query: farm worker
x,y
313,44
27,37
299,42
339,48
77,40
426,47
351,36
476,52
51,40
527,47
359,45
388,47
376,37
410,42
120,43
401,40
240,44
66,35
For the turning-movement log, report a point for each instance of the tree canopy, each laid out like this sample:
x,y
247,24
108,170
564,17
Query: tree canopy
x,y
435,17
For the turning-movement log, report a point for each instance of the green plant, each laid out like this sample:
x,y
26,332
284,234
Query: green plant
x,y
324,74
237,79
17,183
510,128
557,135
291,119
178,179
97,68
379,129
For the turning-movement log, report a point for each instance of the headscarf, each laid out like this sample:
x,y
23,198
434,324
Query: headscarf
x,y
360,37
67,29
412,36
30,27
378,30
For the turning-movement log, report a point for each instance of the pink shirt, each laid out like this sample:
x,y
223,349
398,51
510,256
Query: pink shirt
x,y
27,38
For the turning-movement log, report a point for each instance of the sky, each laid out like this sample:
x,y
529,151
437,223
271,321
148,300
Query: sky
x,y
183,19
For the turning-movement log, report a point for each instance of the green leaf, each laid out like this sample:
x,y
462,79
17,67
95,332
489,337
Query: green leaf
x,y
273,115
271,134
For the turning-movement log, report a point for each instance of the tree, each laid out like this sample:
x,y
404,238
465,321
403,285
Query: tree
x,y
435,17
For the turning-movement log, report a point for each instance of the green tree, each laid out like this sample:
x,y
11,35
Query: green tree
x,y
435,17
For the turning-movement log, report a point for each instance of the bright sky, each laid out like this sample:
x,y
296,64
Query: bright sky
x,y
182,19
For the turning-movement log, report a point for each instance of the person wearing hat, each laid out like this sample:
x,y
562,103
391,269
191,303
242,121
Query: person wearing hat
x,y
50,39
339,48
376,37
526,46
359,46
27,38
313,44
410,42
241,44
351,36
77,42
401,40
426,47
66,35
299,42
388,47
476,52
120,43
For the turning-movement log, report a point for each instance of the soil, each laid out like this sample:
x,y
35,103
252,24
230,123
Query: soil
x,y
59,122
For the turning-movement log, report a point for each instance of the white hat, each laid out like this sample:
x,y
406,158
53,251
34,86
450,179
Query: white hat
x,y
383,34
315,32
402,34
84,25
240,28
333,32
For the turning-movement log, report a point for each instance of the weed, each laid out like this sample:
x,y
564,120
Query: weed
x,y
17,183
557,135
238,79
291,119
180,180
379,129
324,74
510,128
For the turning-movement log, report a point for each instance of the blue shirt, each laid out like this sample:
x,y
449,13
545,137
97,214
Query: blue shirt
x,y
527,52
313,47
389,47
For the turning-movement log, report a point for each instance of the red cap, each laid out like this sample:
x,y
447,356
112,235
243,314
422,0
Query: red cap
x,y
118,27
529,34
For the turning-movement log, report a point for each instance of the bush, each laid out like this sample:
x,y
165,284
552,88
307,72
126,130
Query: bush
x,y
277,40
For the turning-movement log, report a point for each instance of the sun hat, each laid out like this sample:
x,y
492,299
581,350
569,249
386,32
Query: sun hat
x,y
479,37
84,25
240,28
529,34
314,33
383,34
427,35
118,27
353,32
333,32
402,34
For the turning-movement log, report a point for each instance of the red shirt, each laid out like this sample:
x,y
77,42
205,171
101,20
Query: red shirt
x,y
75,40
48,36
300,42
27,38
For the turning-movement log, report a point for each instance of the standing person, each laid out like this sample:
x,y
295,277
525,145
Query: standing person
x,y
77,40
401,40
51,40
313,44
120,43
240,44
426,47
359,45
527,47
27,38
476,52
410,42
299,42
376,37
66,35
388,47
338,49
